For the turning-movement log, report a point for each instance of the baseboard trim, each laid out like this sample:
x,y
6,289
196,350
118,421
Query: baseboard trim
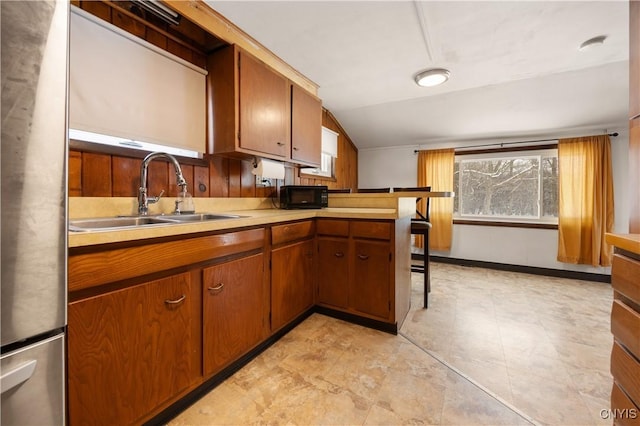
x,y
558,273
355,319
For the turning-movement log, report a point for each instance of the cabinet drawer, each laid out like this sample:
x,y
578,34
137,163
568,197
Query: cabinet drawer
x,y
623,410
625,277
291,232
625,326
377,230
626,372
92,269
338,228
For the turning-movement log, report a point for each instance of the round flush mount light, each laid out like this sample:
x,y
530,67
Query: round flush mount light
x,y
432,77
592,42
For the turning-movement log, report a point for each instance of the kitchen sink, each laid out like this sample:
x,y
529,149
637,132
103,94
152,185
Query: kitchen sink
x,y
128,222
198,217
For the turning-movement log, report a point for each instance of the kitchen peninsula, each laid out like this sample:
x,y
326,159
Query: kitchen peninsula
x,y
160,312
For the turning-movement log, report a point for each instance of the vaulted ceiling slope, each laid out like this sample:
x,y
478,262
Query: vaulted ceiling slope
x,y
515,66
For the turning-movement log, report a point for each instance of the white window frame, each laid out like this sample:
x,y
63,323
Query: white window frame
x,y
328,153
540,154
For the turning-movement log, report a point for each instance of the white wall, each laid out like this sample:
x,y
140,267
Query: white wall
x,y
397,166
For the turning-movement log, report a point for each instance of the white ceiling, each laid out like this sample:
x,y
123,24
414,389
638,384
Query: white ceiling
x,y
516,71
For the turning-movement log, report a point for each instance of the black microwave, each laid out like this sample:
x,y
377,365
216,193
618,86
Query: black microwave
x,y
303,197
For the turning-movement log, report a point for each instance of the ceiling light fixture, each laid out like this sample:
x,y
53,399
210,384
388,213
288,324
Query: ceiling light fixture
x,y
592,42
432,77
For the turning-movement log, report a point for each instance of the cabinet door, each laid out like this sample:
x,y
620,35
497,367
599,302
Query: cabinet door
x,y
369,291
333,271
263,107
306,127
233,310
129,351
291,282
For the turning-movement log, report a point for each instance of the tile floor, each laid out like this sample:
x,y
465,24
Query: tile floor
x,y
493,348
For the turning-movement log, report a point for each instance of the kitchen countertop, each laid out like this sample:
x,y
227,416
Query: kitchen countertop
x,y
254,212
628,242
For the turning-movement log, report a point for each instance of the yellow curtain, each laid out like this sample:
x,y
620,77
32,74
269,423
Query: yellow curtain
x,y
435,169
585,206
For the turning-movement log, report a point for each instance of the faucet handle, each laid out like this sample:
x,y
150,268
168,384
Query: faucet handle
x,y
152,200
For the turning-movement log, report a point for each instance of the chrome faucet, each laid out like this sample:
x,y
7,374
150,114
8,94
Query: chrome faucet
x,y
143,199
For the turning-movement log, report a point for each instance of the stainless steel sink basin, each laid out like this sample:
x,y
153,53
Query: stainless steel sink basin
x,y
128,222
198,217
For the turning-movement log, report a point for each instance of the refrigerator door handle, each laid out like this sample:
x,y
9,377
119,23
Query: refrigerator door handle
x,y
17,376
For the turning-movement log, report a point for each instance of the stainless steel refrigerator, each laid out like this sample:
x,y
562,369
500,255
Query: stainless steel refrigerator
x,y
33,210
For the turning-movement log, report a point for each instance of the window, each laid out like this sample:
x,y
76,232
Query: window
x,y
519,186
329,152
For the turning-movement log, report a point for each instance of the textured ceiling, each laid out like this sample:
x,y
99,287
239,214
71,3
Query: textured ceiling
x,y
515,68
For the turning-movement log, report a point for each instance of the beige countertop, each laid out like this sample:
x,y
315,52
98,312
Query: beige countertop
x,y
254,212
628,242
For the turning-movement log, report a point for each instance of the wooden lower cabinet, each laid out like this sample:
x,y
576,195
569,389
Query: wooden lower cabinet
x,y
292,271
333,271
291,282
129,351
235,318
355,267
369,290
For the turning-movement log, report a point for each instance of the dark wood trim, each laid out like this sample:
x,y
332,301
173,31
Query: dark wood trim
x,y
505,224
356,319
510,149
548,272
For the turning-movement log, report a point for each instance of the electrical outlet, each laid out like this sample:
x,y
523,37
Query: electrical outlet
x,y
262,182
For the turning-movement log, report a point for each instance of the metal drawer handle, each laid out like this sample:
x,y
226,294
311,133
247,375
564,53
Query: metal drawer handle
x,y
363,256
17,376
339,254
216,288
295,148
175,302
280,143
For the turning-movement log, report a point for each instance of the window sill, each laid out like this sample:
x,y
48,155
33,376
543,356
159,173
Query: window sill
x,y
317,177
505,224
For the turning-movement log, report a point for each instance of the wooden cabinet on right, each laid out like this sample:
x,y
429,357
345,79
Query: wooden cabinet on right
x,y
625,327
359,271
306,127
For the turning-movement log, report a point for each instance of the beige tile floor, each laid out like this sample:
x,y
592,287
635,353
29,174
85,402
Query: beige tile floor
x,y
493,348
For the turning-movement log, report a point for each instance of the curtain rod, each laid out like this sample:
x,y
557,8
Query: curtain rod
x,y
614,134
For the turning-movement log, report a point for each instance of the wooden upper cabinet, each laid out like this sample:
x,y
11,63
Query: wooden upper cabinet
x,y
249,106
306,127
634,59
263,108
255,111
